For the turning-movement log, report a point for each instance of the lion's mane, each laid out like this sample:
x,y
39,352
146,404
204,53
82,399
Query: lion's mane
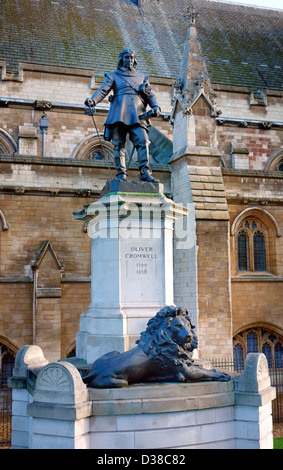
x,y
156,341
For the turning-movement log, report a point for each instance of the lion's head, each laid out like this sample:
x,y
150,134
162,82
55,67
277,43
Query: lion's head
x,y
169,337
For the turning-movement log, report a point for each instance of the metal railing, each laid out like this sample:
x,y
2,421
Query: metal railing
x,y
276,378
5,411
7,361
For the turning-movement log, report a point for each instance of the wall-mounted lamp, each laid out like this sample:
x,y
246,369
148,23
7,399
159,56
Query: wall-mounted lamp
x,y
43,125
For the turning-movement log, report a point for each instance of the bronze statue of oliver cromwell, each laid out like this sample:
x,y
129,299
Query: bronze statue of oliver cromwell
x,y
131,95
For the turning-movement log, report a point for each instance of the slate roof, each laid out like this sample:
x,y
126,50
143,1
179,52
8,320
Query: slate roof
x,y
242,44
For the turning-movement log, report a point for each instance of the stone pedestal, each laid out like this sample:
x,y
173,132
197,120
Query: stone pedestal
x,y
131,230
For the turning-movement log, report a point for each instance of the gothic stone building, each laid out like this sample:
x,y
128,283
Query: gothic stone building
x,y
217,72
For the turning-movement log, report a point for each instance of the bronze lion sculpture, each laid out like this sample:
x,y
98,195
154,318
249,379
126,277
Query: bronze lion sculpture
x,y
163,354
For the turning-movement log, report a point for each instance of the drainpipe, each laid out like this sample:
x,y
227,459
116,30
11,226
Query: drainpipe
x,y
43,125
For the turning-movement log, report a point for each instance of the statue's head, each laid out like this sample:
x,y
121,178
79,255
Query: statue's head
x,y
127,59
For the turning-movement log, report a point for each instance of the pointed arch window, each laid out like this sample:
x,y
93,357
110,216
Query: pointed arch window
x,y
7,144
90,149
7,360
253,242
258,339
275,161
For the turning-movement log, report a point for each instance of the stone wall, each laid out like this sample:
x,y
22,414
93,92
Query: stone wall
x,y
185,247
37,214
214,292
260,143
256,296
66,90
240,104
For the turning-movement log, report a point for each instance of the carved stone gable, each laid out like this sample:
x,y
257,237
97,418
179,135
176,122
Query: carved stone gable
x,y
47,273
47,267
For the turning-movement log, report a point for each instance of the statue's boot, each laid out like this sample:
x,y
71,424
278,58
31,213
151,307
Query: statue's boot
x,y
145,172
146,175
120,162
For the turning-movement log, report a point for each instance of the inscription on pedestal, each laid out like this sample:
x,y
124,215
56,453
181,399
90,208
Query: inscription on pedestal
x,y
141,262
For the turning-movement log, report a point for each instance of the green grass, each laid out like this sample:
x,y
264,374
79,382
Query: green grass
x,y
278,443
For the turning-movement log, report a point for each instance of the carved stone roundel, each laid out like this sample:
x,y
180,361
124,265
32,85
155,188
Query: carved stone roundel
x,y
54,378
